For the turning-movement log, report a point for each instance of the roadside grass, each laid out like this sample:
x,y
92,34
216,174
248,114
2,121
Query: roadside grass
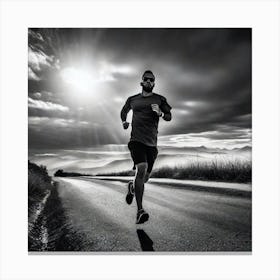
x,y
235,171
48,230
224,171
39,182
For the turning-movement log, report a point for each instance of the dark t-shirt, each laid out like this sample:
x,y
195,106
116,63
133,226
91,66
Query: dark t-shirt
x,y
144,119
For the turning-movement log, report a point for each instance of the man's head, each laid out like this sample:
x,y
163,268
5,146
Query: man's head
x,y
148,81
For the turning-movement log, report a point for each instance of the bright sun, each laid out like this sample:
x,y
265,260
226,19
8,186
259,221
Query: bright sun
x,y
81,79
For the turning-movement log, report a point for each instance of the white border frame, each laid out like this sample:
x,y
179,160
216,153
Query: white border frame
x,y
17,16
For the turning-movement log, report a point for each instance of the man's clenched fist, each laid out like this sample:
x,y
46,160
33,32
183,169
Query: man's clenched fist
x,y
156,109
125,125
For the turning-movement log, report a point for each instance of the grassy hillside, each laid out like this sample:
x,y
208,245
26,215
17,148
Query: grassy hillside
x,y
236,171
225,171
39,182
48,229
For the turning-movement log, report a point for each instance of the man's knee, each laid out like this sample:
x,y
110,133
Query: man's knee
x,y
141,170
147,176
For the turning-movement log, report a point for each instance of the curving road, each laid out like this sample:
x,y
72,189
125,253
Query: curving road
x,y
182,218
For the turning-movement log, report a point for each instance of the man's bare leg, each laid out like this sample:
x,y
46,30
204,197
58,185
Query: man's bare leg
x,y
147,177
141,169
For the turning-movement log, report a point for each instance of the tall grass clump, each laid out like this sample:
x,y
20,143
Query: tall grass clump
x,y
225,171
120,173
39,182
48,229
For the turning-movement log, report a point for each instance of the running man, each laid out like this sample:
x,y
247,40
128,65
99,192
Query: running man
x,y
147,108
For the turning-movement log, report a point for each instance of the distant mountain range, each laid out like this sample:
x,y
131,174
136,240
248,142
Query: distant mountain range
x,y
202,149
243,149
99,161
170,156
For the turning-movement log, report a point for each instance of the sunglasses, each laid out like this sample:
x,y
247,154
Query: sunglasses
x,y
145,79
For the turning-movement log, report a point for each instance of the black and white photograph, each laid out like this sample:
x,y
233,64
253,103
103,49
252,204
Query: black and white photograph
x,y
140,139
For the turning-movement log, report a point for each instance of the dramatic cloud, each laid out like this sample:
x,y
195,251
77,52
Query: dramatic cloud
x,y
32,75
38,60
85,75
47,106
35,35
56,132
223,138
56,122
37,95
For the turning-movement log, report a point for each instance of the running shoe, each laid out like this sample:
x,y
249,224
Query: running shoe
x,y
130,193
142,217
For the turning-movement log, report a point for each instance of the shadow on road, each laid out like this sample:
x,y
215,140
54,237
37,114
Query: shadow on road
x,y
145,241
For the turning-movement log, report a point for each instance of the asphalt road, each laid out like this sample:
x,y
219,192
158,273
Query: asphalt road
x,y
182,219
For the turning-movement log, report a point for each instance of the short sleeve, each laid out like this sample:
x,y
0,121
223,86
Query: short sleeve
x,y
165,107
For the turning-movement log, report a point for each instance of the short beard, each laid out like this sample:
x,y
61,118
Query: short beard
x,y
148,89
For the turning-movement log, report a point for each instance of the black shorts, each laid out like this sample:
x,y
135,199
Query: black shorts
x,y
143,153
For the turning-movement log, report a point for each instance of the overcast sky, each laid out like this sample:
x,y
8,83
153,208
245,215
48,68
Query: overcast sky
x,y
79,79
